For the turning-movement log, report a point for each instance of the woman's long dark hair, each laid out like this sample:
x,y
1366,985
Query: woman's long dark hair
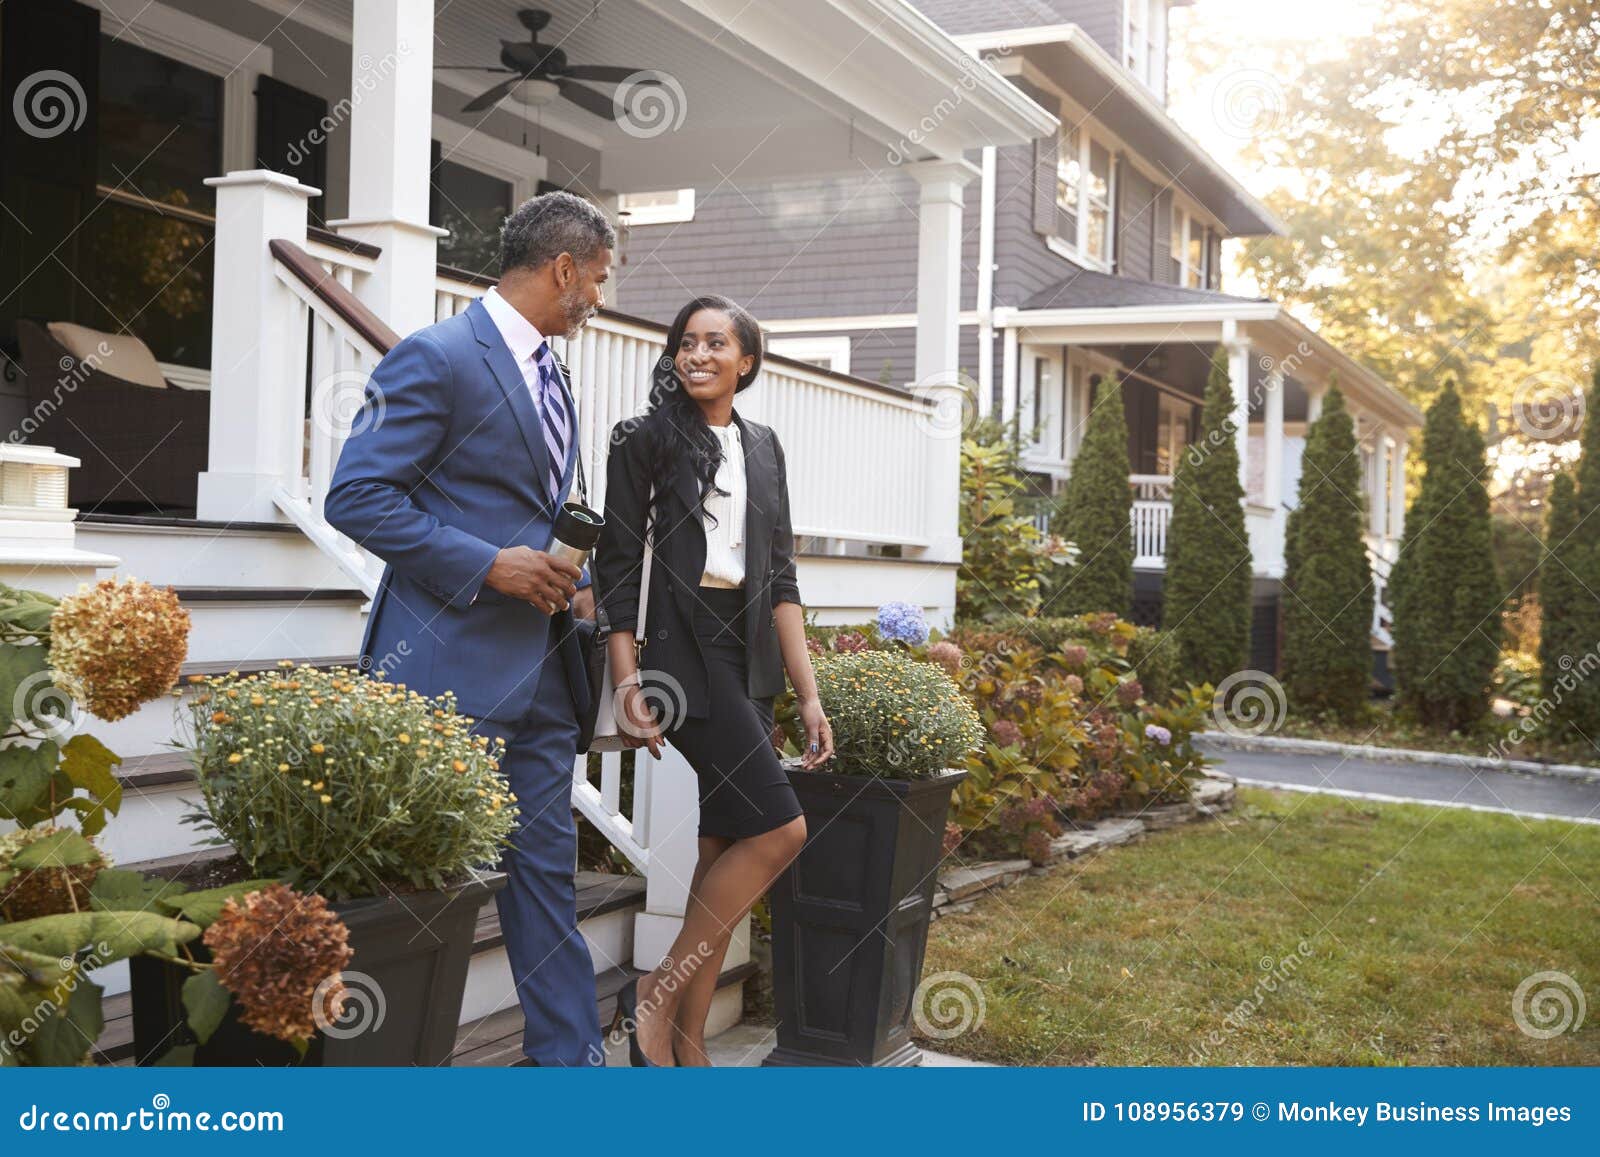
x,y
681,430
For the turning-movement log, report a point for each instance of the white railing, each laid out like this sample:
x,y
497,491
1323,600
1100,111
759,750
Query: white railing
x,y
1151,487
452,293
1150,520
1382,613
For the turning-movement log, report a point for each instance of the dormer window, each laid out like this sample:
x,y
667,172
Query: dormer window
x,y
1144,42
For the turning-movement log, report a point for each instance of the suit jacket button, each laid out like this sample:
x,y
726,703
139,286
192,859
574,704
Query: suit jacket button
x,y
662,633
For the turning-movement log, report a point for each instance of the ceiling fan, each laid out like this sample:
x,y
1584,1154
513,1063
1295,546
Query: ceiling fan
x,y
546,73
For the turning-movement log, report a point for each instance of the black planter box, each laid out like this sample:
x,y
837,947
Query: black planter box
x,y
416,949
850,918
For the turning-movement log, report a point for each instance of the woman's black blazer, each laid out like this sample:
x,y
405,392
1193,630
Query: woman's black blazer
x,y
671,647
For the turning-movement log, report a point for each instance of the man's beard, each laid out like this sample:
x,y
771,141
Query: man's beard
x,y
576,311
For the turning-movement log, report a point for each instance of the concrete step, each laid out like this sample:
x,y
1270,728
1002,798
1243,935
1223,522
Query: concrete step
x,y
186,551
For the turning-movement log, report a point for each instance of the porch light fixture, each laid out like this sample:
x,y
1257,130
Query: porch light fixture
x,y
536,92
34,479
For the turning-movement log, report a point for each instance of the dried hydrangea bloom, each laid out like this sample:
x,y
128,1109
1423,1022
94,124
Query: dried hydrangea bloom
x,y
48,890
118,644
272,952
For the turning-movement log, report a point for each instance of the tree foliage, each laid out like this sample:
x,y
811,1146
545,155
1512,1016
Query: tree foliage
x,y
1098,514
1206,597
1446,597
1327,598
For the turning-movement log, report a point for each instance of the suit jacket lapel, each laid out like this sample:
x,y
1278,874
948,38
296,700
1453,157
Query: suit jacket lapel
x,y
497,355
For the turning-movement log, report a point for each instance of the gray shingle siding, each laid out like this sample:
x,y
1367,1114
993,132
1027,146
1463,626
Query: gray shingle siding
x,y
1101,19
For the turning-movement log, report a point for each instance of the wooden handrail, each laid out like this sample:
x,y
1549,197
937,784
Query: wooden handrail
x,y
339,241
344,304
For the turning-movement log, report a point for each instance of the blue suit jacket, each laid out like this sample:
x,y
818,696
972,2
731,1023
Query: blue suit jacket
x,y
449,466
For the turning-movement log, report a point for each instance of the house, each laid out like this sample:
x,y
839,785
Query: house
x,y
1090,251
221,213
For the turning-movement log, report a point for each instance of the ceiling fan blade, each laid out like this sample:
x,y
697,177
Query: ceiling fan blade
x,y
609,73
588,99
470,68
496,94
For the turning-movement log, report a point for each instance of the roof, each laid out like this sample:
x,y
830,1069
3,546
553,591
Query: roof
x,y
1087,289
1114,97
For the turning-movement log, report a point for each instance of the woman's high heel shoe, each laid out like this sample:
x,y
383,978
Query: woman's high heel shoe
x,y
628,1017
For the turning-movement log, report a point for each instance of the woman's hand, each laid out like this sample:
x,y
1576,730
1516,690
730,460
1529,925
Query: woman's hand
x,y
636,721
819,735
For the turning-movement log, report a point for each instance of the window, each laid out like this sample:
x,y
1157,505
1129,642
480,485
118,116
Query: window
x,y
472,206
1172,432
1144,37
1191,249
661,208
145,246
826,353
1084,185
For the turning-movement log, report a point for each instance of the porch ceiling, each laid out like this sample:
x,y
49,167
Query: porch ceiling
x,y
756,91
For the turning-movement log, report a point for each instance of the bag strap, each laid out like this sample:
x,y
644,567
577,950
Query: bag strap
x,y
644,578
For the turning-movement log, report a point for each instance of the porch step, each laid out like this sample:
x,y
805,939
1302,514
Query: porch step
x,y
187,551
601,898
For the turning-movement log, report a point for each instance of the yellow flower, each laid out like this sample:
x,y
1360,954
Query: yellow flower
x,y
317,786
258,701
235,758
283,767
326,798
317,749
403,737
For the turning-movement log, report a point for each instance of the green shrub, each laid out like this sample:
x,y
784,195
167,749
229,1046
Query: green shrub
x,y
342,783
1446,598
1328,595
1569,574
1000,567
1206,600
1097,514
1150,654
894,716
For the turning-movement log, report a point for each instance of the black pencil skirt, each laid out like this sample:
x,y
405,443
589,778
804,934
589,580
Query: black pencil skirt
x,y
744,790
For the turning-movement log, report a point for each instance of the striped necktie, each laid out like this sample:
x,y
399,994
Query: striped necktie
x,y
554,414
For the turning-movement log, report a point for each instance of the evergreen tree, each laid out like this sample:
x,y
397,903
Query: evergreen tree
x,y
1446,597
1562,603
1207,587
1569,581
1327,597
1098,513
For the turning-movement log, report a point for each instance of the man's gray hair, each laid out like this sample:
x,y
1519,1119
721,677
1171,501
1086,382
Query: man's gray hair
x,y
544,227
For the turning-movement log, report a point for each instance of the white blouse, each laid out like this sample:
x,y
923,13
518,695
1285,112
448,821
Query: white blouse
x,y
725,536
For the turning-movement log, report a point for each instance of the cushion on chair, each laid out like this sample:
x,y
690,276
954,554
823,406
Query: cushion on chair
x,y
119,354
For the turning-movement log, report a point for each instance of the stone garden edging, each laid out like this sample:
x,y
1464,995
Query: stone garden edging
x,y
960,888
1290,746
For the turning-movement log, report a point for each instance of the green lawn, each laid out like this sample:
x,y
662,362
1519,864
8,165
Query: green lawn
x,y
1300,930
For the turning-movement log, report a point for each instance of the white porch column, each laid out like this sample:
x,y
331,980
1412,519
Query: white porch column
x,y
1314,394
257,349
939,267
1239,378
938,361
391,119
667,808
1397,489
1377,483
1272,443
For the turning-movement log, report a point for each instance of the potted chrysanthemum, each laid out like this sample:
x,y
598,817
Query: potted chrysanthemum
x,y
850,917
381,802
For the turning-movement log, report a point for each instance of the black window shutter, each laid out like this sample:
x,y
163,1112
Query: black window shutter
x,y
291,138
1046,152
435,159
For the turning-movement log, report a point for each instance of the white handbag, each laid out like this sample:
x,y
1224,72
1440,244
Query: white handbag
x,y
608,734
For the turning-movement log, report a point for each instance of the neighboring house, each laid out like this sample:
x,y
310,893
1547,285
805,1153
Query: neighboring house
x,y
1092,251
236,203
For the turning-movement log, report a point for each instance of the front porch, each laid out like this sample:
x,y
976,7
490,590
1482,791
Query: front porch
x,y
1055,356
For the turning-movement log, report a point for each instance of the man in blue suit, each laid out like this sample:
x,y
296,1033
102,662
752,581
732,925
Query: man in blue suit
x,y
455,479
